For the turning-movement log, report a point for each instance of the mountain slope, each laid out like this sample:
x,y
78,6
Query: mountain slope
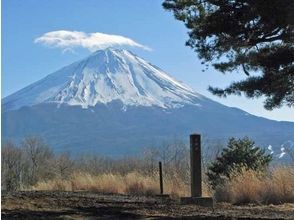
x,y
103,77
114,102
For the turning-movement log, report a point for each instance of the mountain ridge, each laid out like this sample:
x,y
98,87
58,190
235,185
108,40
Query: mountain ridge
x,y
104,76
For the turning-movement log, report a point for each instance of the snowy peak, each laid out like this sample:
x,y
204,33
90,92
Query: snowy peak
x,y
105,76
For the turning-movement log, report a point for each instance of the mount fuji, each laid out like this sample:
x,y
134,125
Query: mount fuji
x,y
114,102
106,76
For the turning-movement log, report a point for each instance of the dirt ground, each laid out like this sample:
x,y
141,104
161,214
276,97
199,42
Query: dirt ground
x,y
89,205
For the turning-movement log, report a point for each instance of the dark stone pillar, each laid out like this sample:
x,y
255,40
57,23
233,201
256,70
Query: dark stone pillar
x,y
195,163
160,179
196,178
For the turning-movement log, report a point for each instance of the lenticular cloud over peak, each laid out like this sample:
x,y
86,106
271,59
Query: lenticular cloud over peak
x,y
68,40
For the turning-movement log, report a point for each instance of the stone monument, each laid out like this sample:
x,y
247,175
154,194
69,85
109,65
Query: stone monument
x,y
196,175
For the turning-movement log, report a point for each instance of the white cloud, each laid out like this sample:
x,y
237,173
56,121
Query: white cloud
x,y
68,40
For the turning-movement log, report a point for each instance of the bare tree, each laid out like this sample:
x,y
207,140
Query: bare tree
x,y
11,169
93,164
211,150
38,156
174,156
64,165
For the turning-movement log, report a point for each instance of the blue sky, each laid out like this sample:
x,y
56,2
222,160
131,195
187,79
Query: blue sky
x,y
145,22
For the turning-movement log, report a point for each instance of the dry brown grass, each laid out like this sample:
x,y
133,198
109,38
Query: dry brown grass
x,y
272,187
133,183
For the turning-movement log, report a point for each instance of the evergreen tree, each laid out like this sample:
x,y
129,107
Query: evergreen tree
x,y
254,36
239,154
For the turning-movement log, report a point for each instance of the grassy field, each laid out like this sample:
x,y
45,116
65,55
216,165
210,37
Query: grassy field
x,y
271,187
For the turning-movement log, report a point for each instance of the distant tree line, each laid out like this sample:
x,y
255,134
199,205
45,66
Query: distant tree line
x,y
32,160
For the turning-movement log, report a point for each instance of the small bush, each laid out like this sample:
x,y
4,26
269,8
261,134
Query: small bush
x,y
239,154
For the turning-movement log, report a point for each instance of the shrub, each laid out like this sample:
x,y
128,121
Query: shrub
x,y
239,154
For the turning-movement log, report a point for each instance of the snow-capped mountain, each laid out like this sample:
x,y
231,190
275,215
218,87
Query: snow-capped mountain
x,y
103,77
114,102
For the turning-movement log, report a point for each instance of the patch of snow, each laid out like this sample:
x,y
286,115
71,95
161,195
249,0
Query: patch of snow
x,y
281,155
270,148
283,152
